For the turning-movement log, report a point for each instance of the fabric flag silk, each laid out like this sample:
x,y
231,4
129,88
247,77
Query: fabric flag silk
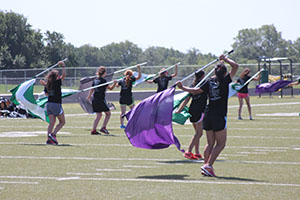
x,y
234,88
143,78
23,95
271,87
181,117
150,122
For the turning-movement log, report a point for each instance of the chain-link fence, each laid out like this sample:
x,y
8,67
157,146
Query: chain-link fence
x,y
11,78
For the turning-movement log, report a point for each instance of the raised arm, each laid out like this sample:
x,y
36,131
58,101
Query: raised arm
x,y
62,64
234,65
139,73
176,70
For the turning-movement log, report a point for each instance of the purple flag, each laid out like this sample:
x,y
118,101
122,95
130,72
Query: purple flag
x,y
150,122
271,87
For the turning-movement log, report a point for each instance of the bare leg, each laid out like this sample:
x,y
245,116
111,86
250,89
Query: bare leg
x,y
196,138
240,108
52,120
106,119
249,106
220,137
210,137
123,110
61,123
96,121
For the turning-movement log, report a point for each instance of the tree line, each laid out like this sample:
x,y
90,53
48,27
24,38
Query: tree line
x,y
22,47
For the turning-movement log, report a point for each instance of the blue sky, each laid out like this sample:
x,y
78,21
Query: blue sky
x,y
209,26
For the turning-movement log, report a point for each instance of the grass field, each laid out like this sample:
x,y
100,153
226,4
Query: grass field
x,y
261,159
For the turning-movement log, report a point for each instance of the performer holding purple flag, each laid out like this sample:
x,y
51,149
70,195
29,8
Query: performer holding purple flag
x,y
215,120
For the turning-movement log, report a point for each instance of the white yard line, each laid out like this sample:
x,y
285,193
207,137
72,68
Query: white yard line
x,y
84,174
17,182
213,182
114,170
269,104
136,159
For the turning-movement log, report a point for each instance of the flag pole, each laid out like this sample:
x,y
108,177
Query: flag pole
x,y
121,70
165,70
49,68
250,79
207,65
96,86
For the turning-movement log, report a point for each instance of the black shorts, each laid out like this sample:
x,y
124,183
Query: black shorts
x,y
196,116
214,122
126,100
100,106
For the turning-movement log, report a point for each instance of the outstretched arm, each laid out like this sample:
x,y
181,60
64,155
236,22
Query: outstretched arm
x,y
187,89
62,64
111,87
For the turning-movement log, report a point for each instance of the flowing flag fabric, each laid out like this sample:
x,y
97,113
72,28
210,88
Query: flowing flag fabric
x,y
82,96
43,99
234,88
181,117
150,122
144,77
271,87
23,95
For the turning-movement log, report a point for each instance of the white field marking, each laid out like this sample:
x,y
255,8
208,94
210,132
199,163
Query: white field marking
x,y
87,114
279,114
129,145
136,159
114,170
1,188
19,182
269,104
214,182
135,166
252,152
84,174
296,148
270,150
27,134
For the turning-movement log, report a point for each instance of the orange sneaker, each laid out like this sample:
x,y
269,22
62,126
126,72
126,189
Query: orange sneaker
x,y
198,156
189,155
208,170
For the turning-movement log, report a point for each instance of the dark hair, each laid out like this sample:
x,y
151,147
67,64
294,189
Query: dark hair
x,y
198,77
50,78
220,71
128,74
101,70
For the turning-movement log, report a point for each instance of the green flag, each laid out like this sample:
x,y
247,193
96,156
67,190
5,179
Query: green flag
x,y
23,95
181,117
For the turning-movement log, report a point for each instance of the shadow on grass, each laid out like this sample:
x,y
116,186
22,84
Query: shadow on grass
x,y
165,177
237,179
181,162
59,145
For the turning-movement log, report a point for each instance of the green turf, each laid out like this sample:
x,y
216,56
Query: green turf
x,y
261,160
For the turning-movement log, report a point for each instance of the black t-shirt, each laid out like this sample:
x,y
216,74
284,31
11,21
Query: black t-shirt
x,y
54,94
162,82
242,81
99,92
218,96
298,80
199,101
126,90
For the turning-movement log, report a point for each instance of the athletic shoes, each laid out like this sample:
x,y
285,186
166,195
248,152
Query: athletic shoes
x,y
122,126
53,138
104,130
190,155
198,156
208,171
94,132
250,118
240,118
49,141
